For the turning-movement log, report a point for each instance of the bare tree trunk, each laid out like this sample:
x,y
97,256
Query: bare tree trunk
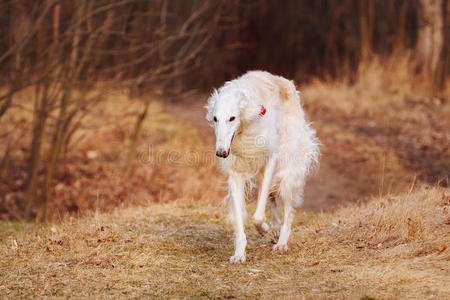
x,y
40,118
440,76
430,38
52,162
64,114
20,26
366,20
41,112
134,138
401,32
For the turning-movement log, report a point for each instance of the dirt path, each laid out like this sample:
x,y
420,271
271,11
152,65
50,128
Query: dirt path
x,y
326,190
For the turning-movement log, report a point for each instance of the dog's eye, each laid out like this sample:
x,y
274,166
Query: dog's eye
x,y
215,119
232,119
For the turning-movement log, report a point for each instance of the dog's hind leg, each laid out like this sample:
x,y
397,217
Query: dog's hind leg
x,y
259,215
285,230
236,185
275,221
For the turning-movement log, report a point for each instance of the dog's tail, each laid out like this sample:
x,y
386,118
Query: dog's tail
x,y
287,89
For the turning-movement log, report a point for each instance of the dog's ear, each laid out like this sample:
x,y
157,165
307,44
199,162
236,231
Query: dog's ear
x,y
210,106
250,107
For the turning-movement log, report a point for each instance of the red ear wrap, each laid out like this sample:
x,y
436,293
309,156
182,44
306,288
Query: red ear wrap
x,y
263,111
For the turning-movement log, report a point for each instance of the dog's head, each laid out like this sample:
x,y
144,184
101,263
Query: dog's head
x,y
229,109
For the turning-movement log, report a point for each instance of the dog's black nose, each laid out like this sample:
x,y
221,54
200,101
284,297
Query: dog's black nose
x,y
222,153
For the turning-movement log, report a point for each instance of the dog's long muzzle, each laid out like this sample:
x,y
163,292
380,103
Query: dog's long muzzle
x,y
222,153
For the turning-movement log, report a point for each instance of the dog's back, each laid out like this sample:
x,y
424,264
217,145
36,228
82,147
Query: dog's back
x,y
298,145
271,84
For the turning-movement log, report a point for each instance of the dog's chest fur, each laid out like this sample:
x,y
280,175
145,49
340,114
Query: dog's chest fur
x,y
249,154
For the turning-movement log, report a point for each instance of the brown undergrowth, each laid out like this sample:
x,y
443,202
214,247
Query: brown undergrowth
x,y
173,161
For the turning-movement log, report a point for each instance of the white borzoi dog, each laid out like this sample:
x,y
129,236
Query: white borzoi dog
x,y
263,139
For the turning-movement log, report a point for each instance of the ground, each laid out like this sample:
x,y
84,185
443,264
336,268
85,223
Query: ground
x,y
375,223
177,250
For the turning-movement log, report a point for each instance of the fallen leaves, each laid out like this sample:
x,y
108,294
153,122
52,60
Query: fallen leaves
x,y
108,227
105,262
57,242
441,249
413,229
336,270
446,198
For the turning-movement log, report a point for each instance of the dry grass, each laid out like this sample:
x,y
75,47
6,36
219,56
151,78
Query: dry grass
x,y
388,248
378,139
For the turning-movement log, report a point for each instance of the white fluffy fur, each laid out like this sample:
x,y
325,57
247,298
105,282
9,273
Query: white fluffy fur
x,y
275,151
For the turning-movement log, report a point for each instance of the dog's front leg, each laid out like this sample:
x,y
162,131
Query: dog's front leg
x,y
264,189
236,184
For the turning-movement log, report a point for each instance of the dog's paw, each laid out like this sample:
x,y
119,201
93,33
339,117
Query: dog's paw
x,y
275,233
237,259
261,227
280,247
